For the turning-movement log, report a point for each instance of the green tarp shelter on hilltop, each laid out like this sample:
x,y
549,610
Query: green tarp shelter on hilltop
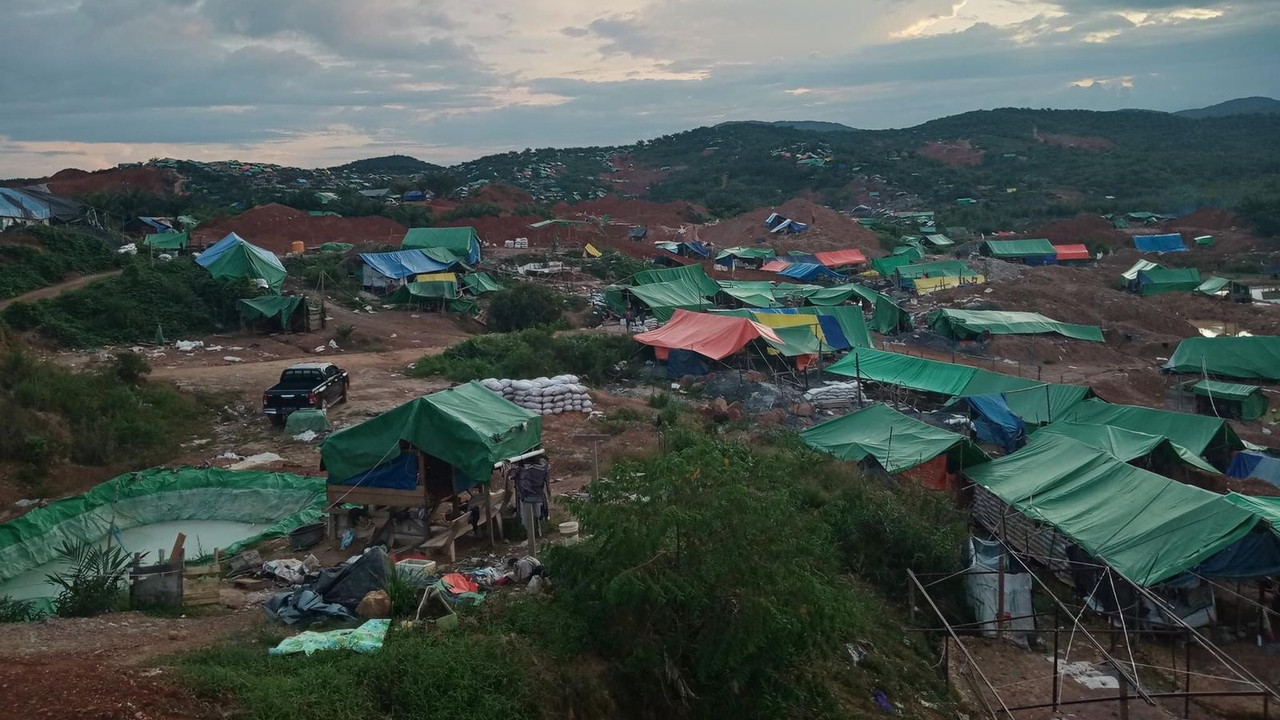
x,y
168,241
421,291
692,276
939,240
888,318
1222,287
751,293
848,321
1128,445
895,441
234,257
973,324
796,341
911,251
1245,401
1019,249
1147,527
746,253
468,427
1129,278
462,242
480,283
841,294
272,307
941,268
1268,508
1157,281
664,298
886,265
1210,438
924,375
1246,358
1045,403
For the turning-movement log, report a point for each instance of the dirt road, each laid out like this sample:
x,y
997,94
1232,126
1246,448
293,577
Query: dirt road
x,y
56,290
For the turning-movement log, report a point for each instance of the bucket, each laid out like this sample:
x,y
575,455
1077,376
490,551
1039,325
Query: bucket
x,y
298,247
569,530
306,536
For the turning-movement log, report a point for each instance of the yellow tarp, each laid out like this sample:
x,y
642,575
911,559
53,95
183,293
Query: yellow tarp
x,y
591,251
778,320
437,277
924,286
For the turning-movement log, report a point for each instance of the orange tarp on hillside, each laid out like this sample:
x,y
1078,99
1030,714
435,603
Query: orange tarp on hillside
x,y
840,258
775,266
1072,252
713,336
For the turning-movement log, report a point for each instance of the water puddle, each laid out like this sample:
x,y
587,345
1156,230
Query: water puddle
x,y
1219,328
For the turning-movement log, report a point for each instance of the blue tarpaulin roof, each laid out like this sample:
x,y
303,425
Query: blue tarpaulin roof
x,y
1171,242
17,204
995,423
401,264
1249,464
809,271
206,258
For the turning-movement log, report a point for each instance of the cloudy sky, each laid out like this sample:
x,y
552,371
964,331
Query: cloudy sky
x,y
317,82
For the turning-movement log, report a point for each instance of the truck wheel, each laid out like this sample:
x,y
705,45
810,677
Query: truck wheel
x,y
343,399
276,420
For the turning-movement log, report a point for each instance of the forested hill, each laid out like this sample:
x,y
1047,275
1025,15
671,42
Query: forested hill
x,y
1239,106
1145,159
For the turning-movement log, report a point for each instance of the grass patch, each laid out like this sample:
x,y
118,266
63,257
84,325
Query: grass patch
x,y
56,253
529,354
178,296
100,417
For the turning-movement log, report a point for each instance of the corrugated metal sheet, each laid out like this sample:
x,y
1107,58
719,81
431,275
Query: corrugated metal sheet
x,y
18,204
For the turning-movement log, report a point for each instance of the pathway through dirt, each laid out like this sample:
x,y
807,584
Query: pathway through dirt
x,y
56,290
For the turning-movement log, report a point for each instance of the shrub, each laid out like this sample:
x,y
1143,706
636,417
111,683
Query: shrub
x,y
57,252
525,306
94,582
129,368
529,354
614,266
17,610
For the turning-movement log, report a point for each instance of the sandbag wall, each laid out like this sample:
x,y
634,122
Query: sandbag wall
x,y
546,396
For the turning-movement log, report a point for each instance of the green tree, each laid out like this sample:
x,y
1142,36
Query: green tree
x,y
525,306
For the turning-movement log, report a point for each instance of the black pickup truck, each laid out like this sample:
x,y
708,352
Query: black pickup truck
x,y
306,385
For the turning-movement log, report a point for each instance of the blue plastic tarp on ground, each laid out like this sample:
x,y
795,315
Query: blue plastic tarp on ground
x,y
809,271
995,423
402,263
1249,464
1171,242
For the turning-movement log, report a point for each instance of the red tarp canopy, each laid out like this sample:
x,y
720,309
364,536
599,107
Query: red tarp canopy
x,y
713,336
775,266
1072,252
840,258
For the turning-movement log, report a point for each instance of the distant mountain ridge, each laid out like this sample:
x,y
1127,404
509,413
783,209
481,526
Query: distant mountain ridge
x,y
1255,105
390,165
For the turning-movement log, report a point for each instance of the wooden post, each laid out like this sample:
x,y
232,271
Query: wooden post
x,y
533,530
1186,700
1057,632
1124,697
488,509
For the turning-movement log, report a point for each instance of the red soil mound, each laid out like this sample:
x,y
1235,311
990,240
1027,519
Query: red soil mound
x,y
1086,229
70,182
960,153
275,227
828,230
1207,219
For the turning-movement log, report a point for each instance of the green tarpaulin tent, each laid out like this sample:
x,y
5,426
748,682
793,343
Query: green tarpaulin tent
x,y
481,283
468,426
245,260
1268,508
693,276
1157,281
841,294
896,441
167,241
795,341
1210,438
889,318
420,291
1046,403
924,375
462,242
751,295
1130,276
886,265
971,324
300,421
1147,527
272,307
941,268
1127,445
1247,358
939,240
664,298
746,253
336,247
1250,401
1017,249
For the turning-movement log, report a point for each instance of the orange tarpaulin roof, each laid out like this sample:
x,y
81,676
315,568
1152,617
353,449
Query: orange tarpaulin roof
x,y
1073,252
838,258
714,336
775,266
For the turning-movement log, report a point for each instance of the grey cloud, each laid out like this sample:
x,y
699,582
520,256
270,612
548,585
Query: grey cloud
x,y
575,32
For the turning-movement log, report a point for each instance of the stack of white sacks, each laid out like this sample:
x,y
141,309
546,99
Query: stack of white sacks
x,y
545,396
835,392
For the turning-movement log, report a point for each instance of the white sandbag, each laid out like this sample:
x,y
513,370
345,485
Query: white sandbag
x,y
558,410
522,385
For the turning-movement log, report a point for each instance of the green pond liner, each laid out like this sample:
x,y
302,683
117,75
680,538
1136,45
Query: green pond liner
x,y
274,503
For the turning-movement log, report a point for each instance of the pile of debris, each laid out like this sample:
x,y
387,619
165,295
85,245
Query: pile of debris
x,y
545,396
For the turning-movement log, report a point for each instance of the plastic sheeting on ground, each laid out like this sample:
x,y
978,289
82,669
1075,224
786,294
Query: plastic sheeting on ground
x,y
468,427
364,639
1250,464
896,441
1171,242
1233,357
1249,400
1147,527
713,336
971,324
300,421
277,502
480,283
926,375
